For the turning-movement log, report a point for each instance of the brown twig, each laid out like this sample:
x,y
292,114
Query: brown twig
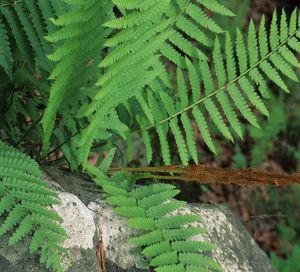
x,y
206,174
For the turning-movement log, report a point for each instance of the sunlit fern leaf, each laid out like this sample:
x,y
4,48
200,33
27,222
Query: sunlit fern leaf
x,y
24,204
190,20
179,140
241,71
216,7
147,141
168,29
157,248
163,235
165,208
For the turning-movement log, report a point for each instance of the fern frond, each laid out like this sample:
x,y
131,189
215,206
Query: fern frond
x,y
24,201
164,237
81,37
169,29
240,71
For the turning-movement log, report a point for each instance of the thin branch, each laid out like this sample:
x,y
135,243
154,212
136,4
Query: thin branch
x,y
41,160
206,175
28,131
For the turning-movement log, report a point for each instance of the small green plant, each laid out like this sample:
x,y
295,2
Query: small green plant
x,y
79,76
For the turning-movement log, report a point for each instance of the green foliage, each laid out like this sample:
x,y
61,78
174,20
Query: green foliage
x,y
291,262
285,203
80,38
163,236
5,52
235,80
25,63
146,34
239,69
24,202
96,71
264,141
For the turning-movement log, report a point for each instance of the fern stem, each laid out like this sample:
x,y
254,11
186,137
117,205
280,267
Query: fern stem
x,y
207,175
60,145
28,131
225,86
164,169
181,13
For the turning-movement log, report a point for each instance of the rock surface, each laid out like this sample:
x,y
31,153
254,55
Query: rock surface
x,y
94,231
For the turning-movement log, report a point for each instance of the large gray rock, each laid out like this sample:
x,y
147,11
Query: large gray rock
x,y
94,232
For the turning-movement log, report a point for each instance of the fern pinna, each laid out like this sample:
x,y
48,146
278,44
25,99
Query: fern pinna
x,y
165,238
24,202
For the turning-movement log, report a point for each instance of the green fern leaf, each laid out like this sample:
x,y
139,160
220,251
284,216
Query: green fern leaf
x,y
216,7
157,199
192,246
135,50
147,239
171,268
26,197
175,221
141,223
84,32
248,67
199,260
161,235
179,234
